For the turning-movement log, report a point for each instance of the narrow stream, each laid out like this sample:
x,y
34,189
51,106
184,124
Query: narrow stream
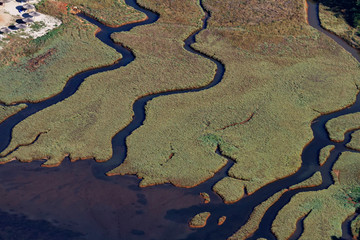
x,y
346,227
77,200
310,165
119,140
84,185
74,82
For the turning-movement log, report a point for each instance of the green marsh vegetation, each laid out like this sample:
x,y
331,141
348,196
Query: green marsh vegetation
x,y
6,111
355,227
37,26
325,153
348,9
84,124
255,218
285,86
330,207
206,197
337,127
343,18
230,189
280,72
76,50
314,180
355,141
111,12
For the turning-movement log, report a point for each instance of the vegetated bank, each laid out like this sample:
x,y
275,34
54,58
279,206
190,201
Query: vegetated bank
x,y
35,69
341,17
280,72
103,104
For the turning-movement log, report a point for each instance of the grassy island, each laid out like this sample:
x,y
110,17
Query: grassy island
x,y
199,220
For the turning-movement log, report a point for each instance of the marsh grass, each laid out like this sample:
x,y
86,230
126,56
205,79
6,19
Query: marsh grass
x,y
83,125
335,19
314,180
337,127
253,223
355,141
6,111
229,189
37,26
326,214
199,220
355,227
282,71
349,10
325,153
286,91
330,206
77,50
111,12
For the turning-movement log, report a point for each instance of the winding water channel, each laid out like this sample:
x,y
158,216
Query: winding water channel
x,y
78,201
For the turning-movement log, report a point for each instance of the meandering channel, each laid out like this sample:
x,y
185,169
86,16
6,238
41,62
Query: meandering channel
x,y
237,214
74,82
118,142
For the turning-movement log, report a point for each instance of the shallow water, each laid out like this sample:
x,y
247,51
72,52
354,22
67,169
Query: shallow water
x,y
77,200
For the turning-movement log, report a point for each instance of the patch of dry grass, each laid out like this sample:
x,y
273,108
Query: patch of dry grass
x,y
111,12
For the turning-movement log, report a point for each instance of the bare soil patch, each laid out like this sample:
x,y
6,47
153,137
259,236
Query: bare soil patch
x,y
36,62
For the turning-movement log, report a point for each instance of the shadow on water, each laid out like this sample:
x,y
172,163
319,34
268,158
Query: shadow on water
x,y
80,198
346,227
314,21
348,9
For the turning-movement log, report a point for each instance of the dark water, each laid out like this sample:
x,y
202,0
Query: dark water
x,y
314,21
299,228
77,200
346,226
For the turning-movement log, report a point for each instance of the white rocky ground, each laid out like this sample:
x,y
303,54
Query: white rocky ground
x,y
42,24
